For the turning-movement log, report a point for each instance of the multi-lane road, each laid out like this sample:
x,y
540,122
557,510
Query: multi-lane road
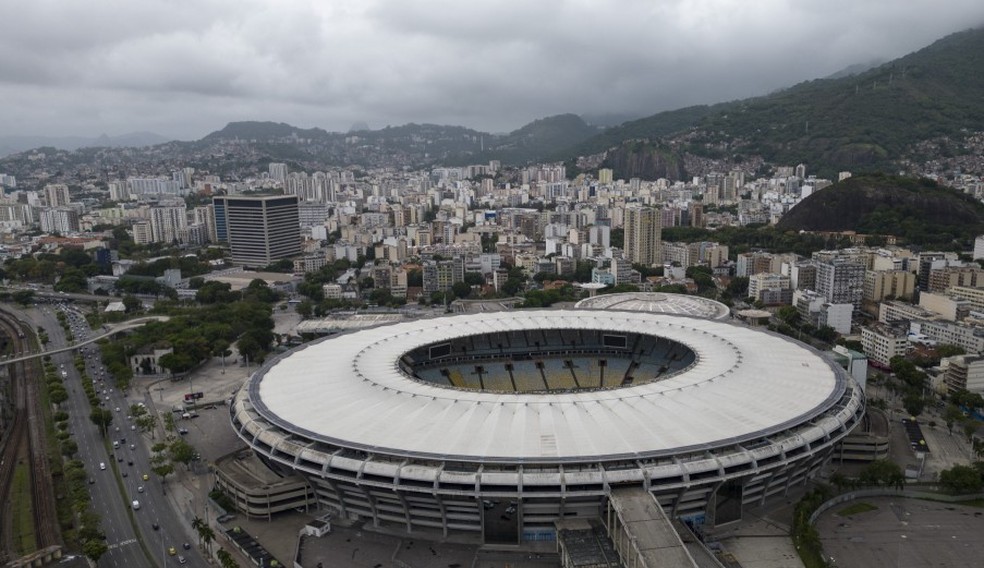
x,y
136,537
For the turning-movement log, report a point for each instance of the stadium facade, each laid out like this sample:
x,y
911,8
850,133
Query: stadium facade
x,y
502,423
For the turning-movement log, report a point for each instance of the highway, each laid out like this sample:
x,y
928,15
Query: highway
x,y
112,493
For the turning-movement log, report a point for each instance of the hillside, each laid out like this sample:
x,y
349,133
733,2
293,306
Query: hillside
x,y
861,122
262,131
14,144
537,141
918,210
652,127
645,160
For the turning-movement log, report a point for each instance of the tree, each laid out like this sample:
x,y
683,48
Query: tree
x,y
213,292
162,469
947,350
961,479
969,427
225,559
969,400
882,472
254,344
132,304
738,287
182,452
951,416
474,278
461,289
208,535
305,308
101,417
93,549
69,448
23,297
198,524
260,291
147,423
72,281
788,314
57,395
914,403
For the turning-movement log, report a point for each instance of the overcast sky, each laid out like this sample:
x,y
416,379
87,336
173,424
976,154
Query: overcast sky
x,y
183,68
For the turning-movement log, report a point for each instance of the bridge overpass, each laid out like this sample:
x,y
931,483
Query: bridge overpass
x,y
124,326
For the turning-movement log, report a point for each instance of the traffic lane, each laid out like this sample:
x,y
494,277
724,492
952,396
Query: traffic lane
x,y
115,525
154,507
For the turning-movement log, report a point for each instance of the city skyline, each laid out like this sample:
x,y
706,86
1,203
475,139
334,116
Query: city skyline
x,y
185,70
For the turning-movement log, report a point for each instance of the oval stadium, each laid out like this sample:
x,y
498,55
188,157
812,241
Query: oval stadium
x,y
501,424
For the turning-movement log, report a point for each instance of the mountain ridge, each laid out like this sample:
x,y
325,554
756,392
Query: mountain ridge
x,y
13,144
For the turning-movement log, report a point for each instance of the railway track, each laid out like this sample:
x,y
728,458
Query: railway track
x,y
25,444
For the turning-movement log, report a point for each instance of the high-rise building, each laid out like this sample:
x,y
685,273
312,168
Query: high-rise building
x,y
259,230
696,211
841,281
56,195
278,171
879,284
643,235
59,220
979,247
927,262
168,223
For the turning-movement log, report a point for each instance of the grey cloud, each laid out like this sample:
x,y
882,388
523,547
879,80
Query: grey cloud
x,y
185,68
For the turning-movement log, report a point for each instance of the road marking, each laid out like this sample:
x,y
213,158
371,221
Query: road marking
x,y
122,543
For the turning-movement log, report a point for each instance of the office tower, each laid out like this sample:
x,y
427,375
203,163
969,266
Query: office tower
x,y
259,230
643,234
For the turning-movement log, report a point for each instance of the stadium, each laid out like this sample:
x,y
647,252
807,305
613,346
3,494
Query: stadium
x,y
500,424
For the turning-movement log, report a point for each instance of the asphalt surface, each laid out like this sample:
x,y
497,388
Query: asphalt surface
x,y
112,493
897,532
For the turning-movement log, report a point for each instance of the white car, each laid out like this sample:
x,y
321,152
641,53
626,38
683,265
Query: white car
x,y
102,465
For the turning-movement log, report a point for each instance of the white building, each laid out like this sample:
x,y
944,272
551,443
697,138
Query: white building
x,y
60,220
979,247
882,342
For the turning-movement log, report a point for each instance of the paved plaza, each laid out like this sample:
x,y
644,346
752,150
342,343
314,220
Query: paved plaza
x,y
910,533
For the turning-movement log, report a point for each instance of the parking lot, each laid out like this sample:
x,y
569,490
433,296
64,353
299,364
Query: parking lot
x,y
903,532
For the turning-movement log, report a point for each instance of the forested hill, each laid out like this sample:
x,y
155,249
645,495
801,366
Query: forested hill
x,y
859,122
920,211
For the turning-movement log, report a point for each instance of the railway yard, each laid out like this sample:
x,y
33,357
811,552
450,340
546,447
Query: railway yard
x,y
30,521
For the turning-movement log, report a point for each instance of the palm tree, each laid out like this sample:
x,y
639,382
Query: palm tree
x,y
208,535
198,524
225,559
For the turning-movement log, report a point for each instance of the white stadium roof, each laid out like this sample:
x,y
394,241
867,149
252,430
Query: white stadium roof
x,y
349,390
658,302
